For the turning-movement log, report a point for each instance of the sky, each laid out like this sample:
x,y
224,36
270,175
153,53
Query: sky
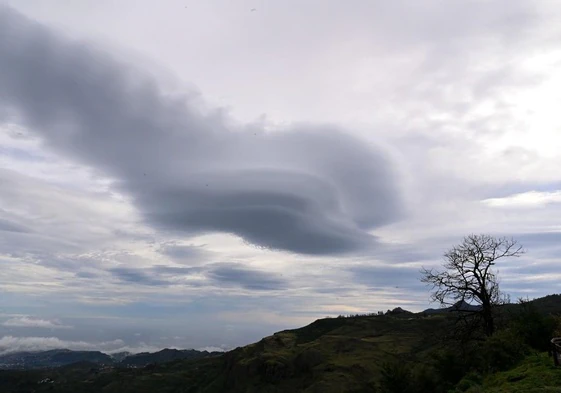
x,y
197,174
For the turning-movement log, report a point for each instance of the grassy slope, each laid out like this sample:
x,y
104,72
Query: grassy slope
x,y
535,374
331,355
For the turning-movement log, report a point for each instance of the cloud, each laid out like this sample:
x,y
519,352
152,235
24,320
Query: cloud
x,y
184,253
9,226
176,270
137,276
10,344
527,199
534,242
230,273
220,274
388,276
30,322
74,219
212,349
190,170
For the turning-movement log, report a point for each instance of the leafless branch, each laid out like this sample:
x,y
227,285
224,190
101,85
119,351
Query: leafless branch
x,y
468,274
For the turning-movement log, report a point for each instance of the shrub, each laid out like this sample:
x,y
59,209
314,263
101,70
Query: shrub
x,y
426,379
450,366
396,377
533,327
501,351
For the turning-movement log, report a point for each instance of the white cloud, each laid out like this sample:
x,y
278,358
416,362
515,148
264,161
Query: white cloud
x,y
31,322
212,349
10,344
525,199
141,347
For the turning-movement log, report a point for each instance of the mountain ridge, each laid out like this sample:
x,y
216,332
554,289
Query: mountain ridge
x,y
25,360
458,306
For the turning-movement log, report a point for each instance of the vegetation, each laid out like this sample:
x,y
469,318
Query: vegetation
x,y
63,357
163,356
468,276
401,352
536,373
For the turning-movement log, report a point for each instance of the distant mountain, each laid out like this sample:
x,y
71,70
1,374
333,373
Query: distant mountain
x,y
459,306
165,355
398,310
64,357
52,358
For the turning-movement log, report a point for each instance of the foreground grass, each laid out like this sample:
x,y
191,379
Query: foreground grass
x,y
535,374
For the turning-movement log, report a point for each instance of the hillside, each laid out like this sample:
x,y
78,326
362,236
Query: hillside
x,y
163,356
343,355
64,357
535,374
329,355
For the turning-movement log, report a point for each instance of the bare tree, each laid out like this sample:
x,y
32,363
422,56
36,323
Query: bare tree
x,y
468,276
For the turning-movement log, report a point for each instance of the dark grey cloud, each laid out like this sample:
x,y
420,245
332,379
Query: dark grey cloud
x,y
221,274
526,269
538,240
403,253
138,276
184,253
335,290
87,274
10,226
176,270
230,273
384,276
309,189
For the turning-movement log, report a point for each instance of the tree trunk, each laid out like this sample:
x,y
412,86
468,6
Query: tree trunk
x,y
488,321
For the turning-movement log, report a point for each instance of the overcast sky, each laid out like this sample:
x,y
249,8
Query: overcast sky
x,y
204,173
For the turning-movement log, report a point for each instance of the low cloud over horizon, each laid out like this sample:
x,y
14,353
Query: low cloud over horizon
x,y
310,173
10,344
26,321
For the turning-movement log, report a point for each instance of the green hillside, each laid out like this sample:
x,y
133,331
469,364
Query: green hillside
x,y
535,374
331,355
404,352
165,355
